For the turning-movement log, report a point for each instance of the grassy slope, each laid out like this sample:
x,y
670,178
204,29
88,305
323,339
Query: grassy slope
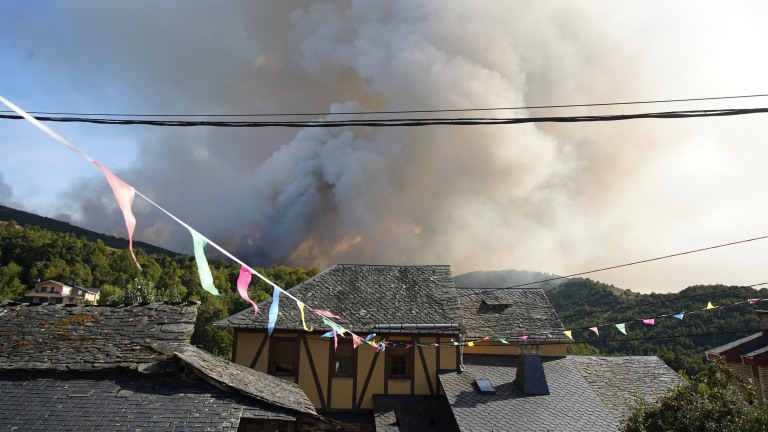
x,y
24,218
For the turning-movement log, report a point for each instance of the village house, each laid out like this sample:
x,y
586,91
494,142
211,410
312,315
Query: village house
x,y
429,380
748,357
58,293
129,367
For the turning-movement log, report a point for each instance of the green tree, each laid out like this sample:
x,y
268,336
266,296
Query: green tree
x,y
717,400
109,294
11,287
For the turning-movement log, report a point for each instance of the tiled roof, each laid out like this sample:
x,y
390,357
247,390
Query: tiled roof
x,y
50,401
757,351
575,403
84,337
366,296
406,413
619,379
528,312
745,345
132,340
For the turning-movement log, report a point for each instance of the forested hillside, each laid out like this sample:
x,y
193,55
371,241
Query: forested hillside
x,y
504,279
30,253
578,296
8,214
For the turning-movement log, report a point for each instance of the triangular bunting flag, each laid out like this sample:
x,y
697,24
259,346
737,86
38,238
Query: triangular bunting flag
x,y
372,335
124,193
470,344
335,341
325,313
569,333
486,338
355,340
329,334
242,288
301,309
273,309
594,329
753,301
454,342
650,321
622,327
523,337
408,346
206,279
503,340
709,306
680,315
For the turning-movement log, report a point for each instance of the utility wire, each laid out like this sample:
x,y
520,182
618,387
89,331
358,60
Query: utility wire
x,y
403,122
401,112
625,265
662,301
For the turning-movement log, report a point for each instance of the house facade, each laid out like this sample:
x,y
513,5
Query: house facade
x,y
748,357
429,366
58,293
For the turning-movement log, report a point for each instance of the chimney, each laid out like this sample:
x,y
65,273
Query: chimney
x,y
762,317
530,370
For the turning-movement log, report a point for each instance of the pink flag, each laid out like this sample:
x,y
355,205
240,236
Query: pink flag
x,y
327,314
486,338
523,337
335,341
408,346
355,340
753,301
650,321
242,287
436,345
594,329
124,194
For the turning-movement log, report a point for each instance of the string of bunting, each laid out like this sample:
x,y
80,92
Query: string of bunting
x,y
125,194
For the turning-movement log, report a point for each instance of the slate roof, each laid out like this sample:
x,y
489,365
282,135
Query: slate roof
x,y
48,401
585,392
528,313
406,413
367,296
85,337
749,345
128,343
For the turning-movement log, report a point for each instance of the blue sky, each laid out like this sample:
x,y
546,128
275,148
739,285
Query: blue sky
x,y
554,198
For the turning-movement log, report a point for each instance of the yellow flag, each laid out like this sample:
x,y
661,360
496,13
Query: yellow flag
x,y
709,306
470,344
301,309
569,333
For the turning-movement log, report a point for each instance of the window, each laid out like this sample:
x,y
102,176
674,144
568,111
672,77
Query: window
x,y
79,292
283,356
399,362
344,359
43,289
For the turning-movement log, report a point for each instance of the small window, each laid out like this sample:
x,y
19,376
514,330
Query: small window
x,y
43,289
344,359
79,292
399,362
283,357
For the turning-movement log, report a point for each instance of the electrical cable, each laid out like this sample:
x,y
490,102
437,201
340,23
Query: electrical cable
x,y
623,265
403,111
408,122
662,301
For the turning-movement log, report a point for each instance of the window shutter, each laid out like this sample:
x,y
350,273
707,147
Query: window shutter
x,y
284,351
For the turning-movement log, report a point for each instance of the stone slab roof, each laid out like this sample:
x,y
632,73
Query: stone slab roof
x,y
578,400
84,337
406,413
366,296
528,313
257,385
51,401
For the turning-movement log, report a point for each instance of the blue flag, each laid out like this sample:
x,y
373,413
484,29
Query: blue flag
x,y
679,316
370,336
273,309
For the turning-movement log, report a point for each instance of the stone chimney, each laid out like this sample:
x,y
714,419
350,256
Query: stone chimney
x,y
530,370
762,317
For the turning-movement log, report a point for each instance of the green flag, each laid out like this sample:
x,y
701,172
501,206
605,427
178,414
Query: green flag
x,y
206,279
622,327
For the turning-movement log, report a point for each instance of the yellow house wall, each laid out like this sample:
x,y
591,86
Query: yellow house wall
x,y
430,355
491,347
306,380
247,345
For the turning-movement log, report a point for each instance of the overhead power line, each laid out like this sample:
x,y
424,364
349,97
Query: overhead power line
x,y
402,111
663,301
406,122
624,265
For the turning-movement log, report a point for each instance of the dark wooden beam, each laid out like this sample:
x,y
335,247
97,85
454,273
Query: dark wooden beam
x,y
234,347
354,377
314,372
298,359
258,352
330,370
437,360
426,370
368,380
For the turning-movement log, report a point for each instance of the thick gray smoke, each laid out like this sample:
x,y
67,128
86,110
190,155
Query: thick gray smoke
x,y
556,198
